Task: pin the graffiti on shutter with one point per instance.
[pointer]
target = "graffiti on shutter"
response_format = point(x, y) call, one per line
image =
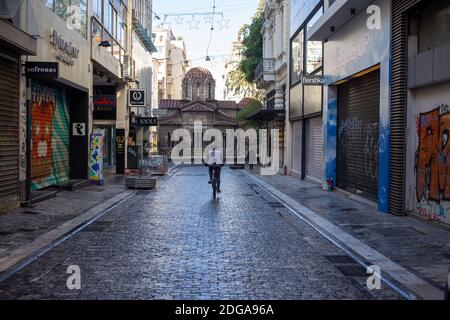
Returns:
point(49, 136)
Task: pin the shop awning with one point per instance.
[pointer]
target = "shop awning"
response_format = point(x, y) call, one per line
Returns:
point(17, 40)
point(264, 114)
point(143, 35)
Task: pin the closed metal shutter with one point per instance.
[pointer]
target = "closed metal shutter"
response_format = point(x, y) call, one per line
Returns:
point(358, 134)
point(297, 147)
point(314, 149)
point(398, 104)
point(50, 136)
point(9, 131)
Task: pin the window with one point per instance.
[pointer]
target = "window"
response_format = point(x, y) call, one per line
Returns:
point(74, 12)
point(97, 6)
point(297, 47)
point(314, 50)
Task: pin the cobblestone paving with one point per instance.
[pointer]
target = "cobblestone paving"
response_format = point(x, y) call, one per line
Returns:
point(178, 243)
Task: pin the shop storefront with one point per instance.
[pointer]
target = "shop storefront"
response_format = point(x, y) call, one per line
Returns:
point(58, 103)
point(9, 129)
point(14, 44)
point(104, 115)
point(305, 111)
point(357, 105)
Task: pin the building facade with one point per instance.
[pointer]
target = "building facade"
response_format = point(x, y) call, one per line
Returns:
point(356, 105)
point(304, 122)
point(173, 61)
point(16, 45)
point(198, 104)
point(79, 65)
point(420, 109)
point(271, 75)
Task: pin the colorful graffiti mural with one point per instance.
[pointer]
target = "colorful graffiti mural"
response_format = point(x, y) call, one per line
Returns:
point(433, 163)
point(49, 136)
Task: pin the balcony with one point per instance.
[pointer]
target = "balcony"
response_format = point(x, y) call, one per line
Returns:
point(265, 73)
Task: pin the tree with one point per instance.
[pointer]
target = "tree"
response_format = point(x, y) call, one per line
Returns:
point(252, 44)
point(241, 78)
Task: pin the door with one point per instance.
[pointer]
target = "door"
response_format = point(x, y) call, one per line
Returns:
point(297, 147)
point(314, 149)
point(358, 133)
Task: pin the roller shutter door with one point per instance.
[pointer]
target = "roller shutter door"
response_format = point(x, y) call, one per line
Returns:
point(297, 147)
point(358, 134)
point(314, 149)
point(50, 136)
point(9, 131)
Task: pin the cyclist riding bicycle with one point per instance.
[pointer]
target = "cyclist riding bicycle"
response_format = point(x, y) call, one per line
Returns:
point(215, 162)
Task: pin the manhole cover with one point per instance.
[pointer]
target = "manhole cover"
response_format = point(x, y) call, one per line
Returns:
point(341, 259)
point(97, 226)
point(352, 270)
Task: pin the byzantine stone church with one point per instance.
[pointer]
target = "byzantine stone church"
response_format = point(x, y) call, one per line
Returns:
point(198, 104)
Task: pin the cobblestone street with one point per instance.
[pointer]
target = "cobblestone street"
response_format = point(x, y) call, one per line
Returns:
point(178, 243)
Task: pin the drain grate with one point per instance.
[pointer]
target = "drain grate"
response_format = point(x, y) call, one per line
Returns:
point(191, 175)
point(31, 212)
point(276, 205)
point(352, 270)
point(348, 209)
point(25, 230)
point(98, 226)
point(5, 233)
point(341, 259)
point(399, 232)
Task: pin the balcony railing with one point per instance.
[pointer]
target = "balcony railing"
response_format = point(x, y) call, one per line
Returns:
point(266, 66)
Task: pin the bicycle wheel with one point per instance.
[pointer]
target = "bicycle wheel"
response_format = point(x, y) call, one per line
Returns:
point(214, 186)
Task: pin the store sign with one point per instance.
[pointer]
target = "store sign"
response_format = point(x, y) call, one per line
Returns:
point(79, 129)
point(144, 121)
point(137, 98)
point(65, 50)
point(105, 107)
point(313, 80)
point(42, 70)
point(120, 151)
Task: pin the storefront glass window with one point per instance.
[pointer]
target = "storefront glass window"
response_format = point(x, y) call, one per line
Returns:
point(297, 57)
point(314, 50)
point(295, 101)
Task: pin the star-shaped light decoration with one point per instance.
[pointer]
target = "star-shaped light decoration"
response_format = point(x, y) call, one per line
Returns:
point(179, 20)
point(223, 24)
point(208, 19)
point(193, 24)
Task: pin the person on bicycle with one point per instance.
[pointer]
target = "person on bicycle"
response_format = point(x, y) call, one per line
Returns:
point(215, 162)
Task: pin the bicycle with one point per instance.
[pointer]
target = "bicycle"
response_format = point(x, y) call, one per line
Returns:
point(215, 180)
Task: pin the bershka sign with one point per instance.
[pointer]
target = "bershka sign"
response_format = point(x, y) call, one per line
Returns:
point(137, 98)
point(66, 51)
point(42, 70)
point(313, 80)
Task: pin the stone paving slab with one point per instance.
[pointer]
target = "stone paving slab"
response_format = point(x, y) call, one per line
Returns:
point(176, 242)
point(420, 247)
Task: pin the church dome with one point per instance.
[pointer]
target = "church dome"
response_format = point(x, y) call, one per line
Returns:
point(198, 73)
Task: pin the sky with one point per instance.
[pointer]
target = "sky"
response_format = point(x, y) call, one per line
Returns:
point(236, 12)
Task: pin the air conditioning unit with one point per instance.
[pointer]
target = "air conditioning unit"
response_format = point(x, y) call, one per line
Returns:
point(128, 68)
